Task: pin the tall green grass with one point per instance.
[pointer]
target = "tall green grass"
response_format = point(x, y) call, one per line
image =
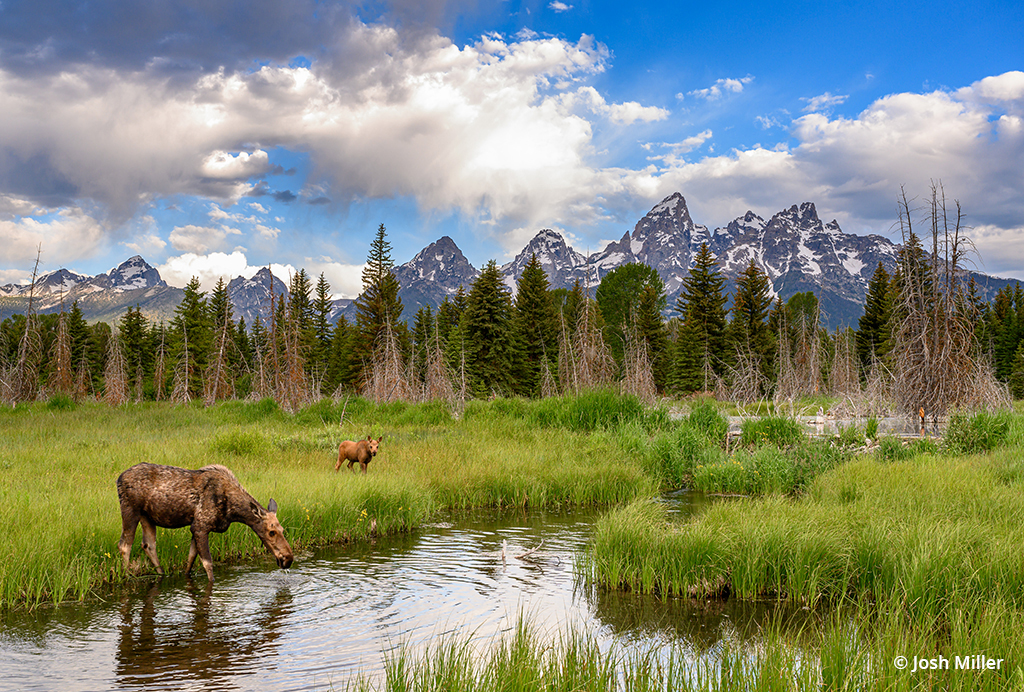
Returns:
point(852, 650)
point(59, 507)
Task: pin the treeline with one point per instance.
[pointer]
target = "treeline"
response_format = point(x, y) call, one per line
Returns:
point(926, 341)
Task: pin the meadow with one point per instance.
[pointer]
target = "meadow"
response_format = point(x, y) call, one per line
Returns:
point(59, 463)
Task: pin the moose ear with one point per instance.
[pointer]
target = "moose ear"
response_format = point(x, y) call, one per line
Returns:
point(369, 437)
point(272, 506)
point(255, 508)
point(380, 438)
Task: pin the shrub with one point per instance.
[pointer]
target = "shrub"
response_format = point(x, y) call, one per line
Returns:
point(771, 430)
point(892, 449)
point(706, 418)
point(977, 434)
point(871, 428)
point(242, 443)
point(61, 402)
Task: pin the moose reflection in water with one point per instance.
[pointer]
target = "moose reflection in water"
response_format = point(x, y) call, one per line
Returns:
point(209, 499)
point(175, 637)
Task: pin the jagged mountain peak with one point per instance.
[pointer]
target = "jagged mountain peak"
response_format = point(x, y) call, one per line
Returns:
point(560, 261)
point(134, 273)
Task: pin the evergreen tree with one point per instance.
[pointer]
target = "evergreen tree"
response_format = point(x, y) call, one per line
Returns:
point(322, 307)
point(423, 332)
point(618, 297)
point(748, 328)
point(379, 303)
point(536, 329)
point(341, 368)
point(872, 324)
point(192, 322)
point(449, 312)
point(701, 351)
point(489, 334)
point(135, 346)
point(651, 328)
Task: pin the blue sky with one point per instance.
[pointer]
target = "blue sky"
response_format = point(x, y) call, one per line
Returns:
point(215, 138)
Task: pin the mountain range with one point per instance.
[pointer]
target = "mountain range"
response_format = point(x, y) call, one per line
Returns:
point(794, 247)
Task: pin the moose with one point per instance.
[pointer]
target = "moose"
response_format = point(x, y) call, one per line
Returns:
point(207, 499)
point(361, 451)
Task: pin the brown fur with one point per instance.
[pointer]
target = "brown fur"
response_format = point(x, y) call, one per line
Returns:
point(209, 499)
point(361, 451)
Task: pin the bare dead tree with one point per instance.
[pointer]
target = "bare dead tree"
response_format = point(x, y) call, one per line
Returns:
point(183, 371)
point(293, 386)
point(437, 379)
point(218, 380)
point(387, 379)
point(160, 369)
point(933, 360)
point(83, 380)
point(115, 373)
point(584, 361)
point(843, 377)
point(638, 376)
point(746, 381)
point(23, 377)
point(62, 377)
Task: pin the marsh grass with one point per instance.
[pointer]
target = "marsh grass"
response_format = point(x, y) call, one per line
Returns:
point(58, 498)
point(851, 649)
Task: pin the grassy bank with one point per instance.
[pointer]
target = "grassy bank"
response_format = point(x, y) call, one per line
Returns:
point(59, 464)
point(923, 548)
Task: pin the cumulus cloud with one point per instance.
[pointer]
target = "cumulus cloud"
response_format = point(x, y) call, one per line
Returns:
point(722, 87)
point(852, 168)
point(625, 113)
point(560, 6)
point(198, 239)
point(62, 238)
point(209, 268)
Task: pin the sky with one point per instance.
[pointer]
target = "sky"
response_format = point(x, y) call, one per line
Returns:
point(214, 138)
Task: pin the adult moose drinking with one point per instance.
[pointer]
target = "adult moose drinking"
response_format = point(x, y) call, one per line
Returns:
point(207, 499)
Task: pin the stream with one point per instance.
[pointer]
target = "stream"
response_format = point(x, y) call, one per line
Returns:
point(339, 611)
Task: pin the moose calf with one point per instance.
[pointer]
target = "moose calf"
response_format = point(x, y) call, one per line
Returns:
point(209, 499)
point(361, 451)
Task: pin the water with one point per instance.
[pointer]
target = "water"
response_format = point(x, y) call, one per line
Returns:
point(338, 612)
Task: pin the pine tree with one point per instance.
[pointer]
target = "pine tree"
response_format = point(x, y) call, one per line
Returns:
point(133, 333)
point(871, 327)
point(536, 329)
point(489, 334)
point(650, 327)
point(423, 333)
point(701, 351)
point(751, 339)
point(322, 307)
point(191, 318)
point(341, 370)
point(378, 306)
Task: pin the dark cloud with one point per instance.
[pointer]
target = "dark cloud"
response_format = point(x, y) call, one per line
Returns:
point(319, 200)
point(189, 36)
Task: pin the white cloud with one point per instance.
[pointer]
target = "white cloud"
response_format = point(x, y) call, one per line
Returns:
point(625, 113)
point(62, 238)
point(560, 6)
point(179, 270)
point(722, 87)
point(149, 244)
point(825, 102)
point(199, 239)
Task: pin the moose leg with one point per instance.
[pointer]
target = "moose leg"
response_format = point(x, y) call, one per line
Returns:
point(129, 522)
point(149, 543)
point(193, 550)
point(341, 458)
point(350, 462)
point(364, 464)
point(202, 541)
